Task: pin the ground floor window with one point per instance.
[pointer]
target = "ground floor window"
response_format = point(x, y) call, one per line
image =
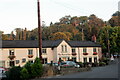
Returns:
point(12, 63)
point(31, 61)
point(74, 59)
point(85, 60)
point(95, 59)
point(44, 60)
point(2, 63)
point(90, 59)
point(17, 61)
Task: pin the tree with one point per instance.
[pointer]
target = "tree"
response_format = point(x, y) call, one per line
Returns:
point(115, 20)
point(59, 35)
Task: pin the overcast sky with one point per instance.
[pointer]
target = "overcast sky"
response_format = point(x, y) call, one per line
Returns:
point(23, 13)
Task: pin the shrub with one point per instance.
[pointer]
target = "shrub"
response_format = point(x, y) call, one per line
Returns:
point(81, 64)
point(95, 64)
point(28, 67)
point(36, 68)
point(14, 73)
point(24, 74)
point(102, 64)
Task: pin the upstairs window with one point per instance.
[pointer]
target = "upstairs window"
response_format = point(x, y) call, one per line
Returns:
point(30, 52)
point(64, 48)
point(44, 51)
point(84, 50)
point(94, 49)
point(11, 52)
point(73, 50)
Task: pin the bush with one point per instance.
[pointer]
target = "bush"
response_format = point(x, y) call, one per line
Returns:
point(36, 68)
point(102, 64)
point(14, 73)
point(24, 74)
point(81, 64)
point(95, 64)
point(28, 67)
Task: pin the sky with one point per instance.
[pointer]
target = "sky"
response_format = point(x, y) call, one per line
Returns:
point(23, 13)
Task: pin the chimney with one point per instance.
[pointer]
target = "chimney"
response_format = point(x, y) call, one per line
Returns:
point(94, 38)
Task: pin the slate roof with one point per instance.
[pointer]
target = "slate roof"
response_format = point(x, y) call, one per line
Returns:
point(45, 44)
point(83, 44)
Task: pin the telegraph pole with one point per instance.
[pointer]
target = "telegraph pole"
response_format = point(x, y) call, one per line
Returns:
point(39, 31)
point(108, 43)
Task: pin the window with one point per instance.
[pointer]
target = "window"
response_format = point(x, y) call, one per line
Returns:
point(30, 52)
point(44, 60)
point(31, 61)
point(23, 60)
point(74, 59)
point(2, 63)
point(12, 63)
point(11, 52)
point(44, 51)
point(65, 48)
point(90, 59)
point(73, 50)
point(95, 59)
point(84, 50)
point(94, 49)
point(17, 61)
point(62, 48)
point(85, 60)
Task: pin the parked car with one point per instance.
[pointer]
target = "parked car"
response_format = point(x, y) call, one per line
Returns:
point(70, 63)
point(2, 73)
point(2, 70)
point(53, 64)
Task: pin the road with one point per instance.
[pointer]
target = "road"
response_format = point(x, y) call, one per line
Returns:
point(109, 71)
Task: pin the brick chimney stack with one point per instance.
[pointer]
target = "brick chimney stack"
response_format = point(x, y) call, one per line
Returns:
point(94, 38)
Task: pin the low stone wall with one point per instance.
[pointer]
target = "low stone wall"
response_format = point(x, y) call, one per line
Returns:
point(73, 70)
point(53, 70)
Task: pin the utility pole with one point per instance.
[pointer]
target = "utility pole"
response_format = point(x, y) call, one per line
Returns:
point(39, 31)
point(108, 43)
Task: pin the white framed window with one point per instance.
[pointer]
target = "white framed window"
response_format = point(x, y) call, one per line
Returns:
point(11, 52)
point(23, 60)
point(17, 61)
point(44, 50)
point(64, 48)
point(73, 50)
point(44, 60)
point(30, 51)
point(31, 61)
point(94, 50)
point(84, 50)
point(85, 59)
